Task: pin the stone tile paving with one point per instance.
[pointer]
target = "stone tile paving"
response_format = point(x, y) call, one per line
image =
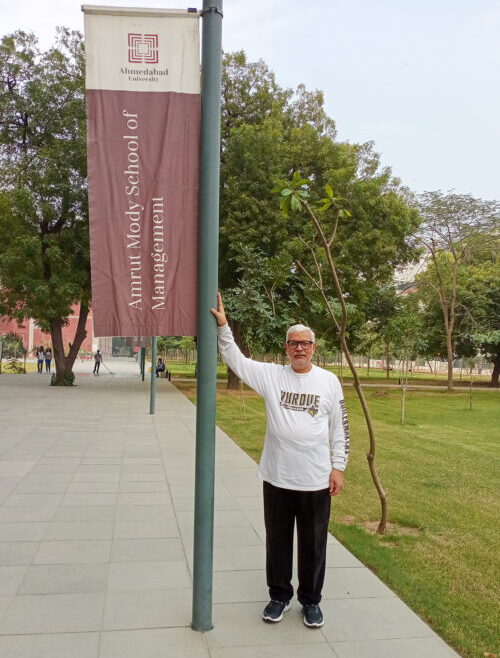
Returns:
point(96, 538)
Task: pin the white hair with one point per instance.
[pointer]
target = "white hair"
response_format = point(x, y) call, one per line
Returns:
point(300, 327)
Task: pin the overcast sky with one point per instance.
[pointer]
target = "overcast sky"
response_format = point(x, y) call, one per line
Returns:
point(419, 78)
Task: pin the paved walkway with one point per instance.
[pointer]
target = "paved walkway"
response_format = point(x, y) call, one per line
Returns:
point(96, 538)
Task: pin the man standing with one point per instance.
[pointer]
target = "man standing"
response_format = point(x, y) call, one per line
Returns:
point(97, 362)
point(40, 356)
point(305, 453)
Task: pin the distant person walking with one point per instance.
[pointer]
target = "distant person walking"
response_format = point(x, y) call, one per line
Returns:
point(40, 357)
point(48, 359)
point(97, 362)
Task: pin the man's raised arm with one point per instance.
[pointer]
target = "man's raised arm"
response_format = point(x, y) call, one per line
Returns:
point(251, 372)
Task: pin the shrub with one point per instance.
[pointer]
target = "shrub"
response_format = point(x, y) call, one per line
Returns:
point(67, 379)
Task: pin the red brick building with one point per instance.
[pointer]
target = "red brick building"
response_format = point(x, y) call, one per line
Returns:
point(33, 336)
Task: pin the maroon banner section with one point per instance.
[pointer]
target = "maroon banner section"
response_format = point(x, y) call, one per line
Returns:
point(143, 160)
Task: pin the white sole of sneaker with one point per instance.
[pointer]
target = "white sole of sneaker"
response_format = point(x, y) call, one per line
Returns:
point(276, 620)
point(313, 625)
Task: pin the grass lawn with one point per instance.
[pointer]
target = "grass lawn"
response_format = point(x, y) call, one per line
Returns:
point(375, 375)
point(187, 370)
point(441, 474)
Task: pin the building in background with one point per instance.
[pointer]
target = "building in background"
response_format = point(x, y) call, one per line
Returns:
point(33, 336)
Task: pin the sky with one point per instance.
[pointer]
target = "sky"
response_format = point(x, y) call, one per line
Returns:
point(418, 78)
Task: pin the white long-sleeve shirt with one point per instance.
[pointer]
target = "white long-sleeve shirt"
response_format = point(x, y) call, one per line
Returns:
point(307, 433)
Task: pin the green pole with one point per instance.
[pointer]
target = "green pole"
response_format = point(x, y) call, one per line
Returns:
point(211, 67)
point(152, 390)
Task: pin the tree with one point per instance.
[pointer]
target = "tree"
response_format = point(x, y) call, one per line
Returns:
point(188, 346)
point(454, 227)
point(483, 307)
point(257, 121)
point(166, 343)
point(382, 309)
point(44, 264)
point(265, 295)
point(269, 132)
point(323, 275)
point(477, 303)
point(488, 343)
point(404, 330)
point(12, 346)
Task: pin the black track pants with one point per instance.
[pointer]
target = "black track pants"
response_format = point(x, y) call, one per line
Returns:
point(311, 509)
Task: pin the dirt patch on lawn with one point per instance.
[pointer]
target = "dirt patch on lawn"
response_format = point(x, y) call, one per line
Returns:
point(380, 394)
point(391, 528)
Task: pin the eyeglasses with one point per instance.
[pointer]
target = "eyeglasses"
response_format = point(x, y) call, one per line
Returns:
point(306, 344)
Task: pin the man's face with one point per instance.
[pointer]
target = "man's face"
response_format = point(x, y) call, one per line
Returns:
point(300, 356)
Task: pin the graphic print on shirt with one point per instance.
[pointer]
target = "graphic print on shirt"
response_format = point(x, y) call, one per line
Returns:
point(300, 402)
point(345, 424)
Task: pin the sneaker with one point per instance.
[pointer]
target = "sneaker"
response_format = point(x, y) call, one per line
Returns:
point(313, 617)
point(274, 610)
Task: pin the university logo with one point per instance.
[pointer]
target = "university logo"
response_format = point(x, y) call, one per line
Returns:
point(143, 48)
point(308, 402)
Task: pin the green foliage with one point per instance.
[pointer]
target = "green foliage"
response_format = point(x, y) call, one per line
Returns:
point(488, 342)
point(457, 223)
point(361, 293)
point(457, 232)
point(404, 330)
point(267, 295)
point(66, 379)
point(187, 344)
point(292, 192)
point(269, 132)
point(477, 306)
point(13, 345)
point(15, 367)
point(166, 343)
point(44, 264)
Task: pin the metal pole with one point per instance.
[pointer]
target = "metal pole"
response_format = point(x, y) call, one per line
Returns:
point(143, 362)
point(207, 329)
point(152, 390)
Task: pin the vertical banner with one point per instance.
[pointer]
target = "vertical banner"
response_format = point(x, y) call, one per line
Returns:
point(143, 116)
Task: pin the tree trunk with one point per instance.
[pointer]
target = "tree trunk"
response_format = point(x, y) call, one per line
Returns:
point(496, 372)
point(57, 344)
point(341, 330)
point(64, 364)
point(233, 382)
point(449, 354)
point(387, 372)
point(404, 383)
point(430, 367)
point(371, 434)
